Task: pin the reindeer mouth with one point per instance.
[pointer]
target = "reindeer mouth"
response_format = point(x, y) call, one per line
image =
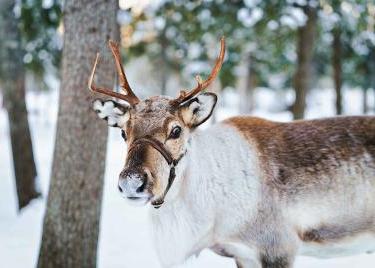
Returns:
point(134, 197)
point(138, 200)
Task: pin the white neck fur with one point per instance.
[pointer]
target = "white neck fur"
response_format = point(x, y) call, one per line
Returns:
point(184, 225)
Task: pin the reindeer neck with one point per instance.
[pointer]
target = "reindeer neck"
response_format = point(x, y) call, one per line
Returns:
point(214, 167)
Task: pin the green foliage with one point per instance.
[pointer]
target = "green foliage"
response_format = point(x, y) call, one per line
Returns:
point(254, 27)
point(360, 52)
point(10, 49)
point(40, 39)
point(264, 30)
point(351, 19)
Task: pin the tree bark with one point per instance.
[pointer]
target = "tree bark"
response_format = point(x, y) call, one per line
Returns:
point(218, 90)
point(337, 68)
point(364, 100)
point(71, 223)
point(367, 81)
point(247, 85)
point(371, 69)
point(164, 65)
point(305, 48)
point(13, 84)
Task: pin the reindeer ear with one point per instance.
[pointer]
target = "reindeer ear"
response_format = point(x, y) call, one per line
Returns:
point(197, 110)
point(114, 113)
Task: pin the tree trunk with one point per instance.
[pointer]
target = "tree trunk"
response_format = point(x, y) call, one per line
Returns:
point(71, 223)
point(365, 101)
point(218, 90)
point(368, 80)
point(337, 70)
point(371, 76)
point(305, 49)
point(13, 83)
point(246, 87)
point(164, 65)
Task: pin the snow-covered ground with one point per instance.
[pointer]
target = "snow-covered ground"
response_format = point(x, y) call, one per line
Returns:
point(124, 235)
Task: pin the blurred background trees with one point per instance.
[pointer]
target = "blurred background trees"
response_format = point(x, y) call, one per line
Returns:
point(12, 83)
point(41, 28)
point(296, 42)
point(306, 35)
point(29, 45)
point(289, 49)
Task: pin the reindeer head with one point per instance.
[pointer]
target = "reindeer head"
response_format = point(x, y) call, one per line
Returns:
point(156, 131)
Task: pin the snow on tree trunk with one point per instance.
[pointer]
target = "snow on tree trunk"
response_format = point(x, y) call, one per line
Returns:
point(71, 223)
point(305, 48)
point(12, 76)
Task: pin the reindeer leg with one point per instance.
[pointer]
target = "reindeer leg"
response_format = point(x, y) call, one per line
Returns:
point(276, 262)
point(239, 265)
point(248, 263)
point(240, 261)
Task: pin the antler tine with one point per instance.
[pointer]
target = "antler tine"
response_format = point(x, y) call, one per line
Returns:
point(101, 90)
point(129, 97)
point(120, 70)
point(201, 85)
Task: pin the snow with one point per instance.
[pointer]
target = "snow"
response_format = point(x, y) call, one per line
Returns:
point(124, 237)
point(249, 17)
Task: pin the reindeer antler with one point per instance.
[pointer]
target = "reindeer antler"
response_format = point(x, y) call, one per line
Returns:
point(201, 85)
point(129, 95)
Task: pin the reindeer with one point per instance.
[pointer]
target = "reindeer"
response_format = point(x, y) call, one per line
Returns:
point(258, 191)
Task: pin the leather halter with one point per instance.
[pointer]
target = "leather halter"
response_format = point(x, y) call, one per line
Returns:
point(172, 163)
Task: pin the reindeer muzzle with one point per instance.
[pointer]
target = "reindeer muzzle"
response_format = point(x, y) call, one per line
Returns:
point(172, 163)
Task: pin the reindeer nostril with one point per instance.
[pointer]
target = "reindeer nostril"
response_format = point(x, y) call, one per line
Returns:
point(144, 183)
point(141, 188)
point(119, 188)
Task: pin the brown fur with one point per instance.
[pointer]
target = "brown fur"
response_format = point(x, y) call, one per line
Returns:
point(314, 163)
point(152, 117)
point(155, 117)
point(290, 151)
point(341, 230)
point(277, 262)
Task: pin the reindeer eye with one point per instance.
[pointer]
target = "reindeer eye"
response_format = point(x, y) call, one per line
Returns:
point(175, 133)
point(123, 135)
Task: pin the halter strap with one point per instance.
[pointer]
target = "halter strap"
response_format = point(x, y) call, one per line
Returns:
point(172, 163)
point(154, 143)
